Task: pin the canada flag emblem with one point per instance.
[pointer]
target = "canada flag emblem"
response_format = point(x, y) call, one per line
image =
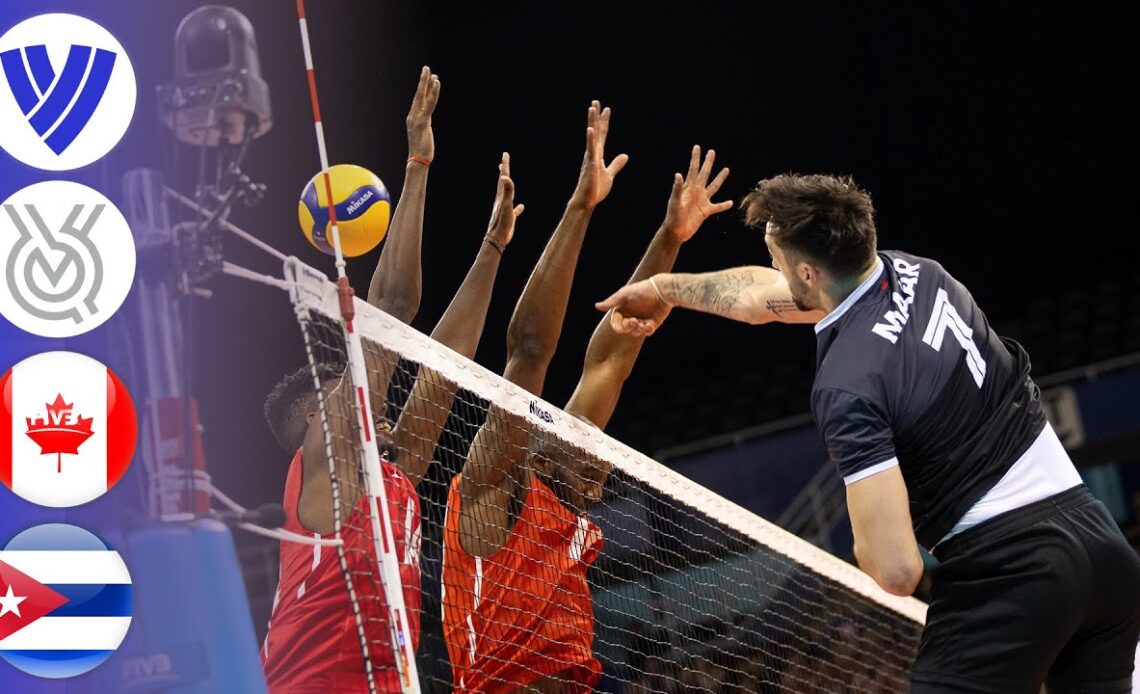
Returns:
point(55, 434)
point(68, 429)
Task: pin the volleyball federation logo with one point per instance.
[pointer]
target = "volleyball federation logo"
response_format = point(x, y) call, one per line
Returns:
point(65, 601)
point(70, 91)
point(68, 429)
point(67, 259)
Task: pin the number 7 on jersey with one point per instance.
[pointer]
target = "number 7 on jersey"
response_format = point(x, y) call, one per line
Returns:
point(945, 317)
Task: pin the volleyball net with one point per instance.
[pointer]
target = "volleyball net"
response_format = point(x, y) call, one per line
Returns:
point(661, 586)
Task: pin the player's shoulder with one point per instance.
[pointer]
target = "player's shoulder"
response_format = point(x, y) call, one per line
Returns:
point(912, 258)
point(851, 357)
point(831, 396)
point(909, 288)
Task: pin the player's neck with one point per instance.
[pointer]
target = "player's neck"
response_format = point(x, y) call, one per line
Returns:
point(839, 291)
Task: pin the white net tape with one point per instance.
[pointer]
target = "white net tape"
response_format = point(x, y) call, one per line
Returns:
point(686, 592)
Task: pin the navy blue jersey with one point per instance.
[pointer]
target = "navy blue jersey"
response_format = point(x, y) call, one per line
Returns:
point(909, 370)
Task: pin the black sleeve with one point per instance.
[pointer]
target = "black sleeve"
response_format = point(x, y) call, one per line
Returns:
point(857, 436)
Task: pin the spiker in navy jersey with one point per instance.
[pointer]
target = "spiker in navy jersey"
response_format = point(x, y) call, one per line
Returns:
point(909, 370)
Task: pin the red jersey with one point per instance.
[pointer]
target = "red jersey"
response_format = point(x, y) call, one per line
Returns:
point(524, 612)
point(312, 646)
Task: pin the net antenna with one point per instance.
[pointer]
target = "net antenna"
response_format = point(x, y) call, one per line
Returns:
point(383, 540)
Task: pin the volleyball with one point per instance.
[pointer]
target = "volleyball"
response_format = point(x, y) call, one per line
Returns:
point(363, 207)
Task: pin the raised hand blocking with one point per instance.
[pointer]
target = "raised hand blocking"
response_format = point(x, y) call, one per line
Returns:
point(690, 202)
point(421, 140)
point(596, 178)
point(501, 228)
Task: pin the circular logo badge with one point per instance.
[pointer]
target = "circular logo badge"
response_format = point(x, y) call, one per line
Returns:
point(68, 429)
point(68, 91)
point(65, 601)
point(67, 259)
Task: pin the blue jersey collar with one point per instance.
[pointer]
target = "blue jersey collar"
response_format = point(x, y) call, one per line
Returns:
point(852, 297)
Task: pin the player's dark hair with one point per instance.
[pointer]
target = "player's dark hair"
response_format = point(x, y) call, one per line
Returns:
point(829, 219)
point(294, 397)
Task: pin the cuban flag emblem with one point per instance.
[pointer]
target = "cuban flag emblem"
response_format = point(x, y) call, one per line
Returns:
point(65, 601)
point(68, 429)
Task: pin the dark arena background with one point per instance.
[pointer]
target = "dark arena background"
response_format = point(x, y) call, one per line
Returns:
point(1000, 140)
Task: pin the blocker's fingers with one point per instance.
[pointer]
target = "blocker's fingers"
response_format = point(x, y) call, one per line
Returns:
point(717, 182)
point(617, 164)
point(694, 164)
point(706, 168)
point(421, 86)
point(591, 149)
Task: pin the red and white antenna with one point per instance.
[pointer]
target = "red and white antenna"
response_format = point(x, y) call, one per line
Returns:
point(403, 647)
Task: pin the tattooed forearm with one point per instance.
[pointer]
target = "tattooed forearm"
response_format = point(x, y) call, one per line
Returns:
point(752, 294)
point(723, 293)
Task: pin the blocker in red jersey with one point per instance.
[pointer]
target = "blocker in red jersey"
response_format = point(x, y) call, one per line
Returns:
point(67, 429)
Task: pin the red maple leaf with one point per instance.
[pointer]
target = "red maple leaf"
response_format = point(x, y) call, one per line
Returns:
point(61, 432)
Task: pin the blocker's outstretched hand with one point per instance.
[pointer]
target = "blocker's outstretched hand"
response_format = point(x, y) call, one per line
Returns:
point(501, 228)
point(596, 177)
point(690, 202)
point(421, 140)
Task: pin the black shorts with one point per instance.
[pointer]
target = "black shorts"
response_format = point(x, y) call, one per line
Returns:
point(1047, 593)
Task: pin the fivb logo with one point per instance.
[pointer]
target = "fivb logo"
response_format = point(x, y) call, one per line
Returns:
point(71, 91)
point(65, 601)
point(58, 107)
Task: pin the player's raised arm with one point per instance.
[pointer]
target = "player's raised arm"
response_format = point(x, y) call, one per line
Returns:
point(396, 284)
point(537, 320)
point(460, 328)
point(611, 355)
point(494, 473)
point(462, 324)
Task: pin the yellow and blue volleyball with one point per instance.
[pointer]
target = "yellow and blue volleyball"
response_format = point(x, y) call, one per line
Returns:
point(363, 208)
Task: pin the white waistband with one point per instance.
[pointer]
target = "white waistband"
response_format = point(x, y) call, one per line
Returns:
point(1041, 472)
